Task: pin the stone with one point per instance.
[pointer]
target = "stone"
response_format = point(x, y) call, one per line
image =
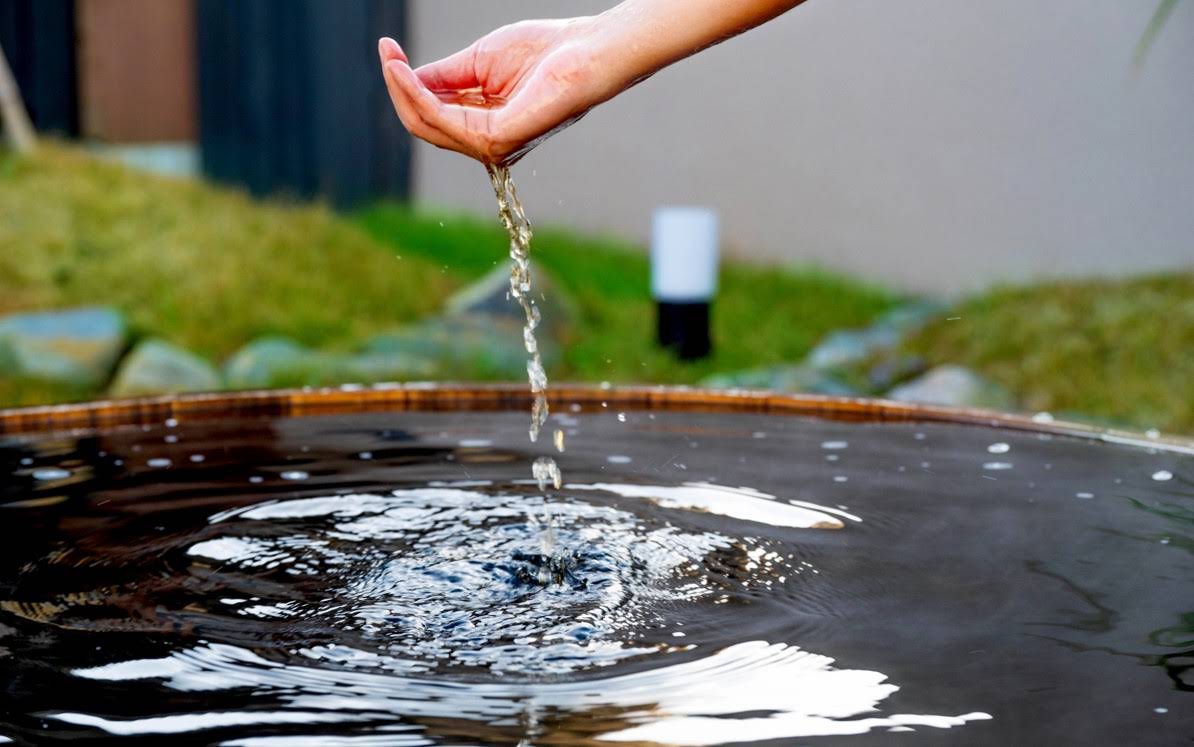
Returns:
point(851, 346)
point(845, 347)
point(74, 346)
point(467, 346)
point(157, 367)
point(783, 378)
point(278, 361)
point(894, 369)
point(490, 297)
point(953, 386)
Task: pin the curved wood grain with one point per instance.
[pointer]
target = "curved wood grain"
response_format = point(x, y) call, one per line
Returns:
point(507, 397)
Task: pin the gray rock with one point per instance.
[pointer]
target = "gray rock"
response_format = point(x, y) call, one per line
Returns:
point(278, 361)
point(783, 378)
point(157, 367)
point(467, 346)
point(850, 346)
point(953, 386)
point(894, 369)
point(845, 347)
point(490, 297)
point(74, 346)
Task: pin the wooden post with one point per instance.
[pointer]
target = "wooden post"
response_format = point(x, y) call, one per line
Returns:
point(13, 116)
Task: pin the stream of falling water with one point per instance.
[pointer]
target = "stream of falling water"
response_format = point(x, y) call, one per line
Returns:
point(514, 219)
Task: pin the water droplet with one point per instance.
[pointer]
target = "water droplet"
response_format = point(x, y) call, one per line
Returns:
point(295, 474)
point(621, 417)
point(255, 479)
point(1042, 417)
point(835, 445)
point(1085, 496)
point(171, 439)
point(159, 463)
point(51, 473)
point(365, 455)
point(1153, 433)
point(999, 448)
point(996, 466)
point(1161, 710)
point(171, 423)
point(476, 443)
point(920, 436)
point(198, 458)
point(558, 440)
point(840, 478)
point(618, 459)
point(1163, 475)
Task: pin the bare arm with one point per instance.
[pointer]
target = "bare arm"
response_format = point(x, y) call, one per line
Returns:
point(510, 90)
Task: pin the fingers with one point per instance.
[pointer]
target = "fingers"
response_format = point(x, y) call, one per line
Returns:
point(389, 49)
point(452, 73)
point(396, 72)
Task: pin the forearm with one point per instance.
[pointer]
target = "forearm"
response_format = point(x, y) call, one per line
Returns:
point(643, 36)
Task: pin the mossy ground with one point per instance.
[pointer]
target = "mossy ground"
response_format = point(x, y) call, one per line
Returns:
point(1121, 351)
point(211, 269)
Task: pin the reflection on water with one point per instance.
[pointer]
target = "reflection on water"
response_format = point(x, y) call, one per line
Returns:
point(286, 589)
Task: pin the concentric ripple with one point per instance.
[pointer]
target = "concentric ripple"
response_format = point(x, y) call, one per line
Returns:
point(340, 581)
point(446, 577)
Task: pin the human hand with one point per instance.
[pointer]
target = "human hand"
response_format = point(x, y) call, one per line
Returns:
point(504, 94)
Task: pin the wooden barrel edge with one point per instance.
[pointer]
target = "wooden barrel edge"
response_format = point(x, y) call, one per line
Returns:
point(103, 415)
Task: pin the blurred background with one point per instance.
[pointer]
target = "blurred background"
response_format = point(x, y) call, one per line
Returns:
point(965, 204)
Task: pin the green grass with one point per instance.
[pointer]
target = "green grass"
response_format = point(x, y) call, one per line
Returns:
point(204, 267)
point(762, 314)
point(1118, 350)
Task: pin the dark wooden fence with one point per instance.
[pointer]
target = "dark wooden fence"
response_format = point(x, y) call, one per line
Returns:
point(38, 37)
point(291, 99)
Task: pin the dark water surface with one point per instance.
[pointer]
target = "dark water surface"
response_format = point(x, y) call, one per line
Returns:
point(392, 579)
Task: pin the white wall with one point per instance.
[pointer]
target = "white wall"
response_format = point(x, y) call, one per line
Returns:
point(927, 144)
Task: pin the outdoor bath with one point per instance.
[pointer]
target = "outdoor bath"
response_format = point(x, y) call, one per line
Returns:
point(362, 566)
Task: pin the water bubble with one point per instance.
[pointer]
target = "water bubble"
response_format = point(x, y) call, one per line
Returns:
point(999, 448)
point(618, 459)
point(1084, 495)
point(25, 462)
point(835, 445)
point(1042, 417)
point(51, 473)
point(920, 436)
point(621, 417)
point(832, 457)
point(295, 475)
point(1161, 710)
point(198, 458)
point(171, 423)
point(997, 466)
point(558, 440)
point(546, 471)
point(365, 456)
point(1153, 433)
point(840, 478)
point(171, 439)
point(475, 443)
point(159, 463)
point(1163, 475)
point(255, 479)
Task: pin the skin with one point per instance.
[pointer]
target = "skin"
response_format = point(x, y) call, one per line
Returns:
point(517, 86)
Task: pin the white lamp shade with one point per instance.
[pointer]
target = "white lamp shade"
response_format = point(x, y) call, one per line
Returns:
point(684, 249)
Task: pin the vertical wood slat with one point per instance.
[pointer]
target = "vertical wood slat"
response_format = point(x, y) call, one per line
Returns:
point(38, 37)
point(292, 100)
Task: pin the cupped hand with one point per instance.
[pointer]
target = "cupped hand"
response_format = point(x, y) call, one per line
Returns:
point(504, 94)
